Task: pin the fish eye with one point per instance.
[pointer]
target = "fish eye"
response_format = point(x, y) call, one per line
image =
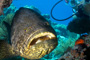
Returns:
point(46, 23)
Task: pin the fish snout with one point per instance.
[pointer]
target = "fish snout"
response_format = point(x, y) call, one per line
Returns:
point(39, 45)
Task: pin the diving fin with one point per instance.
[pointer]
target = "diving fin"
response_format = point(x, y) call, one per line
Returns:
point(9, 31)
point(6, 50)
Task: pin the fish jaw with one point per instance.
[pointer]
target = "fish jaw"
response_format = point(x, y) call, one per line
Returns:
point(39, 50)
point(39, 45)
point(36, 45)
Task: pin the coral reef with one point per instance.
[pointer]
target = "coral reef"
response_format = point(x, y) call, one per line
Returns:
point(8, 16)
point(34, 8)
point(10, 10)
point(62, 30)
point(80, 51)
point(4, 4)
point(3, 30)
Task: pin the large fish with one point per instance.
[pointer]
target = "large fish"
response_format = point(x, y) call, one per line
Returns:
point(31, 36)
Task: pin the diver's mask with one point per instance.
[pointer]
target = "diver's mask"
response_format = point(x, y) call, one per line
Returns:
point(75, 3)
point(79, 7)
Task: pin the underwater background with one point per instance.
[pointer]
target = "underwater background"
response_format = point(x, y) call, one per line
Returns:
point(66, 39)
point(61, 11)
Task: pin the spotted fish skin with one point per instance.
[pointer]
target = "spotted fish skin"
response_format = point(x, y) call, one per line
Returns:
point(31, 34)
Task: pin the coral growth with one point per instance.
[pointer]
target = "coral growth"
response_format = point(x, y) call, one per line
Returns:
point(3, 30)
point(34, 8)
point(8, 16)
point(4, 4)
point(80, 51)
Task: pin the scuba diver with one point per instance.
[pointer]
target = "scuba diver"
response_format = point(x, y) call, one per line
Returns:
point(81, 8)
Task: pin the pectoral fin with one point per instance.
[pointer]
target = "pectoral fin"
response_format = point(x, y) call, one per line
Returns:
point(6, 50)
point(9, 31)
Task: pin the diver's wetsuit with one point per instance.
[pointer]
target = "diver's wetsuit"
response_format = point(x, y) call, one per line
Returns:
point(80, 12)
point(87, 0)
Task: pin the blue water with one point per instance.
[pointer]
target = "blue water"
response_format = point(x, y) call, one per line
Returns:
point(61, 11)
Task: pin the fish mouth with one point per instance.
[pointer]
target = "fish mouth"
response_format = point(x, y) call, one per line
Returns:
point(40, 44)
point(41, 37)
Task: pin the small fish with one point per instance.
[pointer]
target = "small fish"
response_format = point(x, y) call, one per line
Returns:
point(31, 36)
point(79, 41)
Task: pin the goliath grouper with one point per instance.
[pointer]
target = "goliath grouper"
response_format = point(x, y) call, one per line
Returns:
point(31, 36)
